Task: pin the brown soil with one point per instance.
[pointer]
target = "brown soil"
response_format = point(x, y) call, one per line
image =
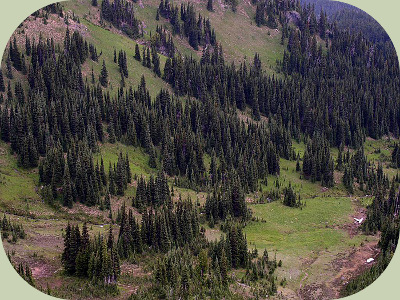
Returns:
point(347, 266)
point(43, 270)
point(55, 28)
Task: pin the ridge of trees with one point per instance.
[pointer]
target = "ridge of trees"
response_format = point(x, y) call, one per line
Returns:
point(121, 14)
point(184, 21)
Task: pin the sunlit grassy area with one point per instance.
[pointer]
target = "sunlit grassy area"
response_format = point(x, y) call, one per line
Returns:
point(294, 230)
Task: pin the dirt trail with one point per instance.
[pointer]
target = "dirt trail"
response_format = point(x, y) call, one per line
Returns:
point(346, 266)
point(352, 265)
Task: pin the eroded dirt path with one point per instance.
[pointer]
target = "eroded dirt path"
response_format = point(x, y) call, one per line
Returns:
point(346, 266)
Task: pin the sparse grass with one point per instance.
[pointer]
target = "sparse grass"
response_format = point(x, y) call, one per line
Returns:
point(213, 234)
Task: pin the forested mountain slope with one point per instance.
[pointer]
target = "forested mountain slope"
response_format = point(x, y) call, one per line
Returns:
point(171, 149)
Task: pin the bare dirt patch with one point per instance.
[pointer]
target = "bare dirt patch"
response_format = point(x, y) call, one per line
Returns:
point(133, 270)
point(352, 265)
point(34, 27)
point(346, 266)
point(43, 270)
point(79, 208)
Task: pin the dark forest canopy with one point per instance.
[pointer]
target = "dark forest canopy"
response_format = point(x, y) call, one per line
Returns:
point(348, 17)
point(342, 93)
point(333, 88)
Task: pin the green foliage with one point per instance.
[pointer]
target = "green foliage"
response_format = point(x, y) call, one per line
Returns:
point(94, 259)
point(290, 198)
point(317, 161)
point(103, 78)
point(121, 14)
point(197, 31)
point(12, 230)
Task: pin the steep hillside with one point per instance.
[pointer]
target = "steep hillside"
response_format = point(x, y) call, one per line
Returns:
point(237, 32)
point(157, 149)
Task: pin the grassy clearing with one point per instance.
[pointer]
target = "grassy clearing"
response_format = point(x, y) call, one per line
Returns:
point(138, 159)
point(18, 187)
point(304, 187)
point(295, 231)
point(213, 234)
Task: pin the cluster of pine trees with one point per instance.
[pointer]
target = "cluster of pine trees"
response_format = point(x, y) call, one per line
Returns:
point(186, 23)
point(347, 108)
point(396, 155)
point(357, 169)
point(290, 198)
point(226, 200)
point(153, 193)
point(318, 164)
point(121, 14)
point(262, 270)
point(96, 259)
point(297, 101)
point(122, 63)
point(201, 268)
point(180, 274)
point(160, 230)
point(76, 177)
point(11, 228)
point(151, 60)
point(270, 12)
point(234, 247)
point(47, 118)
point(163, 42)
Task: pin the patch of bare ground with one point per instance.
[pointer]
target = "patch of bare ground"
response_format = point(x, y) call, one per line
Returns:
point(43, 269)
point(241, 289)
point(245, 116)
point(315, 291)
point(35, 27)
point(80, 209)
point(132, 271)
point(306, 264)
point(337, 177)
point(116, 204)
point(352, 265)
point(346, 266)
point(93, 15)
point(141, 3)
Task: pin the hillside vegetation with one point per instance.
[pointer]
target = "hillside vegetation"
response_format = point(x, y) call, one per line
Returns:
point(211, 149)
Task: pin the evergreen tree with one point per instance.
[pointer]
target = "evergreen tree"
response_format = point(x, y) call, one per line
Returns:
point(67, 188)
point(137, 52)
point(210, 5)
point(103, 79)
point(2, 86)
